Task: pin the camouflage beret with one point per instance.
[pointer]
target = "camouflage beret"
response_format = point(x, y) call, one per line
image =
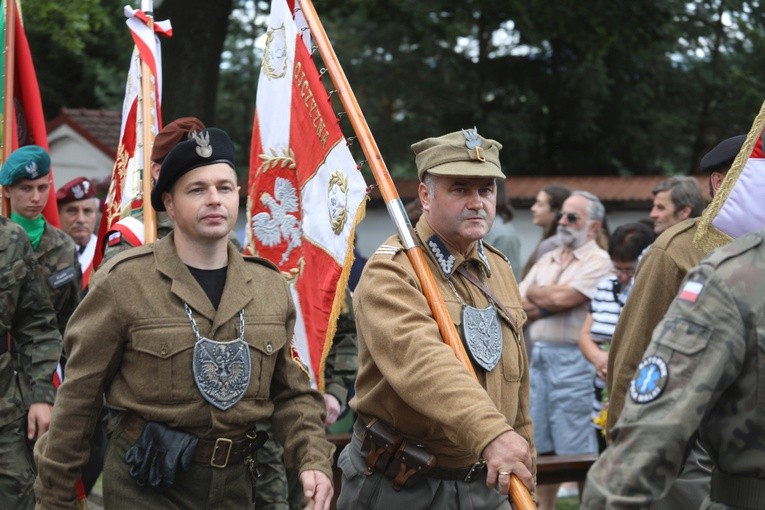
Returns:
point(76, 189)
point(207, 147)
point(169, 136)
point(462, 153)
point(722, 156)
point(28, 162)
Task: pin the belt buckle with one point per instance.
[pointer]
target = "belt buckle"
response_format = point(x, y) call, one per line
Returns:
point(221, 442)
point(474, 470)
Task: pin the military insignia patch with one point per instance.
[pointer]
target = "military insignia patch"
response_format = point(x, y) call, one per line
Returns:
point(650, 381)
point(444, 258)
point(203, 144)
point(297, 359)
point(114, 239)
point(691, 291)
point(31, 170)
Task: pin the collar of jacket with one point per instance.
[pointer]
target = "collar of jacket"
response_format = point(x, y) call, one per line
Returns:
point(447, 259)
point(236, 294)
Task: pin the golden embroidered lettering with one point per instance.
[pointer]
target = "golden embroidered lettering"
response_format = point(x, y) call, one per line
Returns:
point(308, 100)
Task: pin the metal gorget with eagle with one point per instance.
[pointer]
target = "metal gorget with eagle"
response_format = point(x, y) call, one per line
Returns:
point(221, 368)
point(482, 332)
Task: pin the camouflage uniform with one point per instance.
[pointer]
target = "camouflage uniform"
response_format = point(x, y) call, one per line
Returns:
point(703, 370)
point(26, 374)
point(57, 256)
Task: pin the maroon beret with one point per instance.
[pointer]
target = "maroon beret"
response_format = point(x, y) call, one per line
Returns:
point(169, 136)
point(76, 189)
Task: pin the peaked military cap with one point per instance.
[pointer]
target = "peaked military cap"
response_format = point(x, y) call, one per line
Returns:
point(207, 147)
point(723, 154)
point(79, 188)
point(27, 162)
point(463, 153)
point(169, 136)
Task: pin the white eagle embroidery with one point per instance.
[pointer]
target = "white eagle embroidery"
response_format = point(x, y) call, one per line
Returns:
point(271, 228)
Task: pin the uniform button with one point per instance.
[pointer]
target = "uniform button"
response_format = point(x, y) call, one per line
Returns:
point(269, 348)
point(163, 350)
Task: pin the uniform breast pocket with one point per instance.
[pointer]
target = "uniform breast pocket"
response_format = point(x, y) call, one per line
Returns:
point(160, 362)
point(266, 337)
point(512, 357)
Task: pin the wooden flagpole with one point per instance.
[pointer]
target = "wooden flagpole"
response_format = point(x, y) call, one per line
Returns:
point(519, 493)
point(8, 110)
point(146, 97)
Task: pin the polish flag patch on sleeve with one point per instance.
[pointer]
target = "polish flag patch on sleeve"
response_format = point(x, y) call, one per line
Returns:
point(691, 291)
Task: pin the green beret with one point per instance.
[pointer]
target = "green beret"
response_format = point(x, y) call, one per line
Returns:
point(462, 153)
point(207, 147)
point(27, 162)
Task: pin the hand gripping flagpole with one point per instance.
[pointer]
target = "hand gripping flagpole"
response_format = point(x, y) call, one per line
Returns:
point(8, 111)
point(518, 492)
point(147, 101)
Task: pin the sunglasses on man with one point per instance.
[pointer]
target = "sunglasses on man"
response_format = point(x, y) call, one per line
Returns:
point(571, 217)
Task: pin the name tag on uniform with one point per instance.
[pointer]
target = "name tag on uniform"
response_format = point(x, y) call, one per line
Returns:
point(62, 277)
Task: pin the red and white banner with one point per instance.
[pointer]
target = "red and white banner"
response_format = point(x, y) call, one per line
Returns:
point(28, 119)
point(743, 210)
point(306, 194)
point(125, 199)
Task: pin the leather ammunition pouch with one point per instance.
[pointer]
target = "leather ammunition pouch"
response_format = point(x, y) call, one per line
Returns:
point(386, 451)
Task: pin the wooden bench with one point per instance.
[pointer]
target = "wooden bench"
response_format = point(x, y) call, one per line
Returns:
point(550, 468)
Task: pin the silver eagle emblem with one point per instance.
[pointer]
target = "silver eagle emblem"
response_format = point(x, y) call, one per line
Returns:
point(280, 223)
point(203, 144)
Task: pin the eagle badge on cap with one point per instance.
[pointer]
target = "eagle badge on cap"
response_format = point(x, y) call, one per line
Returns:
point(473, 142)
point(31, 170)
point(203, 144)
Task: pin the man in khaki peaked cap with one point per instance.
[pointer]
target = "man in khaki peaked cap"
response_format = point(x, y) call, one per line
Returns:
point(409, 450)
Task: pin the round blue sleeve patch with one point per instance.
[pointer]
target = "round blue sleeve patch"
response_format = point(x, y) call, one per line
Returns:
point(650, 380)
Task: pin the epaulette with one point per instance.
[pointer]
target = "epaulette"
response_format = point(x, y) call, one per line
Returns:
point(497, 252)
point(263, 262)
point(734, 249)
point(133, 253)
point(387, 250)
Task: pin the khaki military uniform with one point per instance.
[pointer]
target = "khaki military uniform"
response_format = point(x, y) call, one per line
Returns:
point(132, 340)
point(411, 380)
point(26, 372)
point(703, 370)
point(57, 256)
point(658, 278)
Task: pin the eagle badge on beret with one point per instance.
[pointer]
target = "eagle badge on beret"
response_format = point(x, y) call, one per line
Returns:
point(31, 170)
point(203, 144)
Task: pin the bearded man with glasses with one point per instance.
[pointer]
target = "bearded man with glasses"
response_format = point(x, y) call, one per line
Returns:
point(556, 294)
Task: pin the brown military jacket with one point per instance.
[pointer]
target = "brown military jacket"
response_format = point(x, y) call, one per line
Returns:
point(411, 380)
point(657, 280)
point(131, 339)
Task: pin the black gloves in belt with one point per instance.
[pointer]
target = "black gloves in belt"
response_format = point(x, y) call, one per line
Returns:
point(156, 455)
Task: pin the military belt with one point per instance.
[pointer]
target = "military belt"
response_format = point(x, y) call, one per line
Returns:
point(218, 453)
point(737, 491)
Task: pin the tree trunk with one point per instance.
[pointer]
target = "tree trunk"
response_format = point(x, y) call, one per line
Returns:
point(191, 58)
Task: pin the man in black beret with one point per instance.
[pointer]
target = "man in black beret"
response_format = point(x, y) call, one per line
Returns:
point(189, 342)
point(657, 281)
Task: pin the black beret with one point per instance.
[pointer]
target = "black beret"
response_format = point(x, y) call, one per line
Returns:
point(722, 156)
point(207, 147)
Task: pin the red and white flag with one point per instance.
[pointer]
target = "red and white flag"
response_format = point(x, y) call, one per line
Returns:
point(125, 199)
point(28, 119)
point(306, 194)
point(743, 210)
